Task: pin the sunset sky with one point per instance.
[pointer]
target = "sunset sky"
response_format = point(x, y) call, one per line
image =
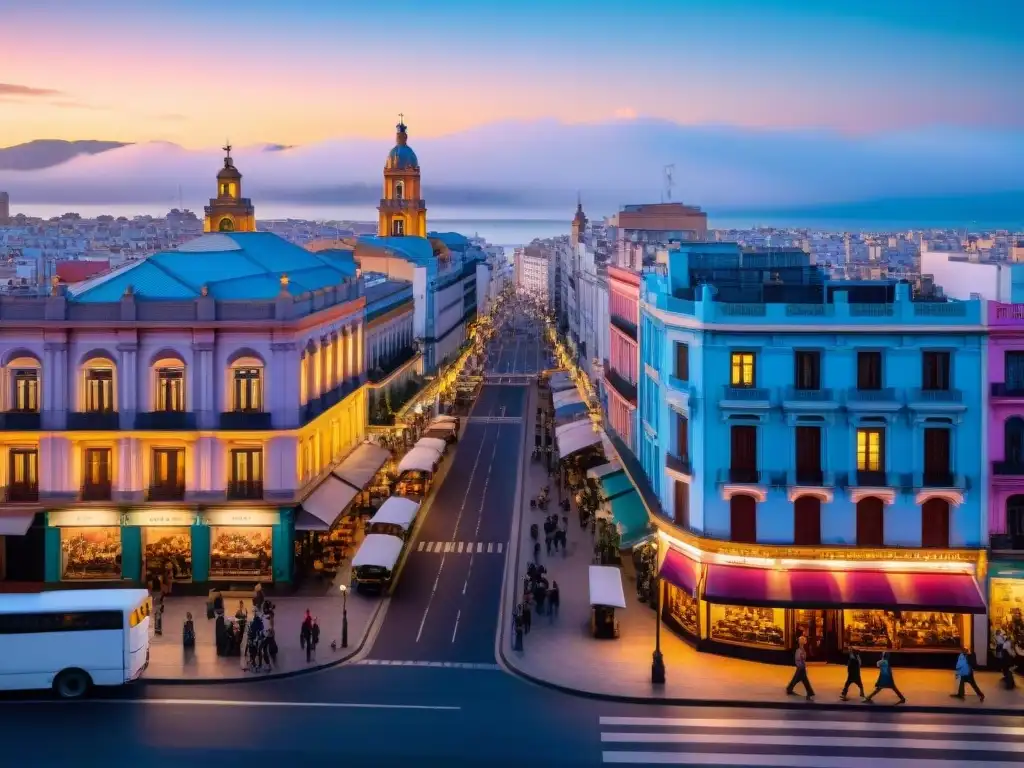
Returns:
point(265, 71)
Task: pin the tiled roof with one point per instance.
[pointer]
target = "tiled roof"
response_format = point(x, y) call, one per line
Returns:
point(77, 271)
point(418, 250)
point(239, 266)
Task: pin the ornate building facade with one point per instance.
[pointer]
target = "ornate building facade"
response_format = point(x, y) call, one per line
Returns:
point(403, 211)
point(229, 211)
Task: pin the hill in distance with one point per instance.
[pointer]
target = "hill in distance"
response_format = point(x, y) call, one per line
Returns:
point(46, 153)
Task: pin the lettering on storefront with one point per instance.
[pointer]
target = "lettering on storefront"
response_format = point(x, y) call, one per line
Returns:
point(151, 518)
point(253, 517)
point(83, 518)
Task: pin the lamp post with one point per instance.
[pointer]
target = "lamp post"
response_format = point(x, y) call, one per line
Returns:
point(658, 661)
point(344, 617)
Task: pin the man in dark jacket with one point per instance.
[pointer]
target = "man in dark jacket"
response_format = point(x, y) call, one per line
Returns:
point(852, 674)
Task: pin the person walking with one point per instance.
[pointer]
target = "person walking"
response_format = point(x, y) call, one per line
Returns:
point(306, 635)
point(800, 672)
point(853, 665)
point(553, 600)
point(965, 676)
point(885, 680)
point(258, 598)
point(1004, 655)
point(314, 635)
point(527, 618)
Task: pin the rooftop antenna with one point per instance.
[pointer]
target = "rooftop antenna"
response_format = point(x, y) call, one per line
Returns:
point(668, 171)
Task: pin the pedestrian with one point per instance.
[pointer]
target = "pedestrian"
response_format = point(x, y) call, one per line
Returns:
point(965, 676)
point(560, 537)
point(885, 680)
point(315, 635)
point(553, 600)
point(853, 665)
point(1005, 659)
point(527, 617)
point(188, 633)
point(258, 598)
point(306, 635)
point(539, 593)
point(800, 671)
point(517, 628)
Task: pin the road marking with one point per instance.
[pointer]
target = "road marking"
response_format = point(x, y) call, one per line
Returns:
point(456, 630)
point(499, 547)
point(812, 725)
point(447, 547)
point(432, 664)
point(471, 548)
point(490, 548)
point(851, 742)
point(460, 547)
point(782, 761)
point(251, 703)
point(479, 547)
point(420, 547)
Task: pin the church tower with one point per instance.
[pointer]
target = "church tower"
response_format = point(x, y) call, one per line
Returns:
point(579, 223)
point(229, 211)
point(403, 211)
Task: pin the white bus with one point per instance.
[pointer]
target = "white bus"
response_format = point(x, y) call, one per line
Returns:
point(74, 639)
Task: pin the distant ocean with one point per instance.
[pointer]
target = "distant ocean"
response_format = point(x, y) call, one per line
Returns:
point(513, 227)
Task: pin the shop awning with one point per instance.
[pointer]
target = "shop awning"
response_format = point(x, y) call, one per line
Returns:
point(630, 518)
point(764, 587)
point(454, 420)
point(596, 473)
point(378, 549)
point(575, 437)
point(560, 381)
point(440, 433)
point(606, 586)
point(570, 411)
point(433, 443)
point(360, 466)
point(419, 459)
point(614, 485)
point(565, 397)
point(15, 523)
point(327, 501)
point(397, 510)
point(680, 570)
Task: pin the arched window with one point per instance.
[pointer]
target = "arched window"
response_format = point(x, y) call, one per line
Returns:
point(399, 190)
point(807, 521)
point(98, 384)
point(935, 524)
point(743, 519)
point(870, 522)
point(1013, 441)
point(246, 384)
point(168, 376)
point(1015, 520)
point(24, 390)
point(226, 225)
point(398, 227)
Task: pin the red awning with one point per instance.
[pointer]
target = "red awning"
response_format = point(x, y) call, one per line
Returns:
point(680, 570)
point(947, 592)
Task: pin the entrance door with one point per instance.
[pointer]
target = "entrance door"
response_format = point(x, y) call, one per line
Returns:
point(811, 624)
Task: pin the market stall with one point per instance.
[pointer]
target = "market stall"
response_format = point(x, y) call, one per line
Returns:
point(374, 563)
point(324, 505)
point(575, 437)
point(446, 431)
point(433, 443)
point(606, 595)
point(395, 517)
point(420, 459)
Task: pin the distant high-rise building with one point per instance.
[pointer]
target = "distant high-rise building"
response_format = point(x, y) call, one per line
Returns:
point(229, 211)
point(5, 208)
point(579, 224)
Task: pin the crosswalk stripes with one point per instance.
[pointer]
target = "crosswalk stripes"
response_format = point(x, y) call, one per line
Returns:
point(808, 743)
point(442, 664)
point(496, 419)
point(461, 547)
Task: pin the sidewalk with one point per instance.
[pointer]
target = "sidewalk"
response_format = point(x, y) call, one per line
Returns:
point(561, 651)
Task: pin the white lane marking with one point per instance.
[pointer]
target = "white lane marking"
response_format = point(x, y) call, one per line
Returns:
point(433, 664)
point(852, 742)
point(499, 547)
point(460, 547)
point(479, 547)
point(447, 547)
point(781, 761)
point(490, 548)
point(420, 547)
point(251, 703)
point(456, 630)
point(812, 725)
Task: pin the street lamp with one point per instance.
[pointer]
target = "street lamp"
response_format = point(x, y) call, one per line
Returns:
point(344, 616)
point(658, 661)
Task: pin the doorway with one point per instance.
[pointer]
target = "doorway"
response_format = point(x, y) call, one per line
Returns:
point(812, 625)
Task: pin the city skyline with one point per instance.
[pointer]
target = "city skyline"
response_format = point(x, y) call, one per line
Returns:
point(257, 74)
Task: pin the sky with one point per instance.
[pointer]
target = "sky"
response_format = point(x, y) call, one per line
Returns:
point(259, 71)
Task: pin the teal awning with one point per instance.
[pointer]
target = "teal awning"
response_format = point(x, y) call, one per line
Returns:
point(614, 485)
point(630, 515)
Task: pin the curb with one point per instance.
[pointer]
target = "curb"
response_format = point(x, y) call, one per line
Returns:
point(260, 677)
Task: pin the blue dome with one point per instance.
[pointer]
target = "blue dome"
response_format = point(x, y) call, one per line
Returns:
point(400, 158)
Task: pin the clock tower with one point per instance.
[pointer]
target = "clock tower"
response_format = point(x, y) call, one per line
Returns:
point(403, 211)
point(229, 211)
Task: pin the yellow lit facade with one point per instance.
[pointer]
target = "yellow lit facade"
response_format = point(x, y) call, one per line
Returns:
point(229, 211)
point(403, 211)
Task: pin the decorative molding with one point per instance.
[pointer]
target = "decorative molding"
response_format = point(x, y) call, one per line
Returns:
point(759, 493)
point(954, 498)
point(826, 495)
point(887, 495)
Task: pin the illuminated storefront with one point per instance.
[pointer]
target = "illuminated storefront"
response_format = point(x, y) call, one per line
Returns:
point(1006, 600)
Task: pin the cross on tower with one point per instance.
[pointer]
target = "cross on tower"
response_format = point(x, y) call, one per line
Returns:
point(227, 148)
point(401, 118)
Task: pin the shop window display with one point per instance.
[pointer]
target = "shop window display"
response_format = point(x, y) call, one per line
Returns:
point(90, 553)
point(168, 549)
point(683, 608)
point(903, 630)
point(238, 552)
point(1006, 609)
point(748, 626)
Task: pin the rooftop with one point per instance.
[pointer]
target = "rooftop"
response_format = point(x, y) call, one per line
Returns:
point(417, 250)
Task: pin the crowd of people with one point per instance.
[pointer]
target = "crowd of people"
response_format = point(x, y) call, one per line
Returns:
point(253, 641)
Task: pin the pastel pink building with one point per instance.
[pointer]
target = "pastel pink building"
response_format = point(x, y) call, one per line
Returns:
point(623, 352)
point(1006, 425)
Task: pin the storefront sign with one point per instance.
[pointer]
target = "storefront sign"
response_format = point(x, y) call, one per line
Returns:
point(241, 517)
point(70, 518)
point(156, 517)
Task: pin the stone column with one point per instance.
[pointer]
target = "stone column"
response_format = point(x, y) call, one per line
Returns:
point(360, 334)
point(128, 383)
point(339, 358)
point(201, 398)
point(346, 342)
point(281, 396)
point(325, 363)
point(55, 375)
point(331, 365)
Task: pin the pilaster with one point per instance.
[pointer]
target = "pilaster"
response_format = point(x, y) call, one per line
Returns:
point(128, 383)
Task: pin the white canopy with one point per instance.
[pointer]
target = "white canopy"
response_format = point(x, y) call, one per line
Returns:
point(421, 458)
point(566, 397)
point(397, 510)
point(15, 523)
point(596, 473)
point(362, 464)
point(380, 550)
point(443, 426)
point(575, 436)
point(327, 501)
point(433, 443)
point(444, 420)
point(605, 586)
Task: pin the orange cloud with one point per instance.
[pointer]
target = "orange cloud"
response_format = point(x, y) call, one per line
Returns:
point(12, 89)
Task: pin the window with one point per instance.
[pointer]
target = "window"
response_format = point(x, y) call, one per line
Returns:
point(170, 389)
point(96, 468)
point(1015, 521)
point(869, 370)
point(398, 227)
point(870, 450)
point(808, 370)
point(1013, 370)
point(399, 190)
point(226, 225)
point(246, 473)
point(743, 458)
point(1013, 441)
point(248, 389)
point(681, 513)
point(742, 369)
point(24, 467)
point(682, 437)
point(25, 394)
point(743, 519)
point(935, 524)
point(682, 361)
point(937, 456)
point(99, 390)
point(32, 623)
point(870, 522)
point(807, 521)
point(168, 468)
point(935, 371)
point(808, 455)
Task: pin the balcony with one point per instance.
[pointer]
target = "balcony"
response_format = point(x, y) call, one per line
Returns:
point(946, 480)
point(18, 421)
point(21, 493)
point(811, 478)
point(166, 492)
point(97, 491)
point(679, 465)
point(1012, 468)
point(745, 398)
point(936, 400)
point(624, 325)
point(813, 400)
point(1007, 544)
point(884, 399)
point(625, 389)
point(385, 368)
point(175, 420)
point(245, 420)
point(94, 420)
point(678, 394)
point(318, 405)
point(1001, 390)
point(869, 478)
point(245, 490)
point(739, 476)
